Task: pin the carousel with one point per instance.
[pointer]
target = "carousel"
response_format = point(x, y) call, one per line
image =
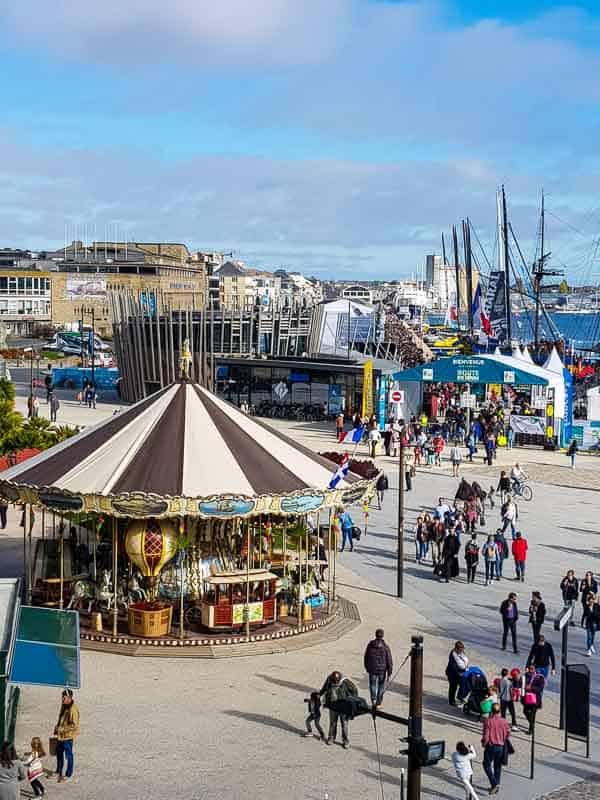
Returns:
point(182, 521)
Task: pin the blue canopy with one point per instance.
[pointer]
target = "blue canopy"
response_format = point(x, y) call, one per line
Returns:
point(470, 369)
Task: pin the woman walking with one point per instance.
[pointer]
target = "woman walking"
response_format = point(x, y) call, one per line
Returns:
point(569, 587)
point(537, 614)
point(588, 586)
point(456, 459)
point(591, 621)
point(572, 452)
point(490, 556)
point(533, 689)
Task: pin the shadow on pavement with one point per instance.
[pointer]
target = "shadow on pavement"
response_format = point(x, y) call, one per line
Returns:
point(263, 719)
point(298, 687)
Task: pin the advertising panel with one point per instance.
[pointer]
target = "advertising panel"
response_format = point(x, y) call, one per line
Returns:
point(88, 288)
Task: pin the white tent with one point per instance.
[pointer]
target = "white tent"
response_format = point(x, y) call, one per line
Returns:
point(527, 355)
point(554, 378)
point(554, 362)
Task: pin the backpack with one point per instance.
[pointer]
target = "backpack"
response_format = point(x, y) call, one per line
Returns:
point(489, 551)
point(472, 550)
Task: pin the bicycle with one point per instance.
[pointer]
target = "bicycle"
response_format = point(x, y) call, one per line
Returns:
point(522, 490)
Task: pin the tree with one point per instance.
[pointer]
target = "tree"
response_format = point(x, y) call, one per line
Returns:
point(7, 390)
point(564, 287)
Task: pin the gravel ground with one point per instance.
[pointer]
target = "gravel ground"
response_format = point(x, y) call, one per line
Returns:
point(584, 790)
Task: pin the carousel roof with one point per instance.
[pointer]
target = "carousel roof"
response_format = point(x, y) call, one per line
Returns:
point(182, 442)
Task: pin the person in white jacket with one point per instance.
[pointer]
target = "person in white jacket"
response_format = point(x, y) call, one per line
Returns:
point(462, 760)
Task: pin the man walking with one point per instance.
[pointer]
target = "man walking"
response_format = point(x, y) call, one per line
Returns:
point(54, 406)
point(519, 551)
point(379, 664)
point(509, 612)
point(346, 525)
point(496, 731)
point(541, 656)
point(334, 689)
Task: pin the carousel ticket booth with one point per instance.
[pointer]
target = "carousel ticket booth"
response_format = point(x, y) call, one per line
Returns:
point(198, 520)
point(231, 597)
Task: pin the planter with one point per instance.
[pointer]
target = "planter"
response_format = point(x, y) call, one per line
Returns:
point(149, 620)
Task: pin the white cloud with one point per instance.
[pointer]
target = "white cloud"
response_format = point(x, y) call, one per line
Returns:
point(316, 215)
point(200, 31)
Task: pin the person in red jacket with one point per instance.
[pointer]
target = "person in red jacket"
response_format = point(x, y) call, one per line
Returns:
point(519, 551)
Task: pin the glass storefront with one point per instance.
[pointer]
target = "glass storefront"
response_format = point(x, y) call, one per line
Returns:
point(302, 385)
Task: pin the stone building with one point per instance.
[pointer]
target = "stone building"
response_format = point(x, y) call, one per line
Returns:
point(67, 284)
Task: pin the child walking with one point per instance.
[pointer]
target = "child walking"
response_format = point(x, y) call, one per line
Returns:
point(461, 759)
point(35, 768)
point(314, 715)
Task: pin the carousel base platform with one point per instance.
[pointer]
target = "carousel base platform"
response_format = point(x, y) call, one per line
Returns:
point(280, 637)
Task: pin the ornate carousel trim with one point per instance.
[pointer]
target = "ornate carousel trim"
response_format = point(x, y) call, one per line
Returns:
point(140, 505)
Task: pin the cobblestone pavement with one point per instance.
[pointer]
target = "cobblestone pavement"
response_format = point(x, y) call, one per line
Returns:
point(584, 790)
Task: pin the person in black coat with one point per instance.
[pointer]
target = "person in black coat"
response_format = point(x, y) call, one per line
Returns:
point(537, 614)
point(450, 550)
point(569, 586)
point(541, 656)
point(379, 664)
point(588, 586)
point(382, 486)
point(509, 611)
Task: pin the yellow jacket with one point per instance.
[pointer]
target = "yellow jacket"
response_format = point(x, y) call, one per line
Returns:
point(68, 724)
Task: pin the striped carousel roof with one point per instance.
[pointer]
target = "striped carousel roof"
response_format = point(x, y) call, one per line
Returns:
point(180, 442)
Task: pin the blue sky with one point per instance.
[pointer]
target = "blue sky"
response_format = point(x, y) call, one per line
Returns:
point(338, 137)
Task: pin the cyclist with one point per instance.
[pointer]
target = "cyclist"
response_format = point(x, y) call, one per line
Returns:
point(518, 478)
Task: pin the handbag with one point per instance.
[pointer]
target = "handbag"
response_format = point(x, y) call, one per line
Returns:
point(52, 742)
point(530, 699)
point(482, 520)
point(356, 532)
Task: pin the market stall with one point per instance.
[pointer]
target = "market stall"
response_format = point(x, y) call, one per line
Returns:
point(176, 497)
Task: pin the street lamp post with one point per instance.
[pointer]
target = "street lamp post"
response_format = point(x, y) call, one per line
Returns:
point(30, 403)
point(400, 559)
point(93, 345)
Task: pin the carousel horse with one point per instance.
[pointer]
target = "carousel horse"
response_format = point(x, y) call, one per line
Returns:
point(135, 591)
point(100, 593)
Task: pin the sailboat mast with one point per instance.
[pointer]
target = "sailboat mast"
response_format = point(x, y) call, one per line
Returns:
point(538, 280)
point(469, 273)
point(506, 269)
point(456, 272)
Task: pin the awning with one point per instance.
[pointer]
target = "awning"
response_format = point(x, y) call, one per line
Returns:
point(470, 369)
point(241, 575)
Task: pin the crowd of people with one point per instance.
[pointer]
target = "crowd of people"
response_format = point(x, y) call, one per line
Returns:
point(452, 527)
point(493, 701)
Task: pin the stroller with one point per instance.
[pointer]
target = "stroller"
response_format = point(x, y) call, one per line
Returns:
point(472, 690)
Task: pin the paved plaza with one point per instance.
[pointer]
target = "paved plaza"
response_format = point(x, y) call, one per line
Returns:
point(231, 727)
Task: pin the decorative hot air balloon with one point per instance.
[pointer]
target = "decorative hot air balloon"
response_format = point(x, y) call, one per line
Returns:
point(150, 544)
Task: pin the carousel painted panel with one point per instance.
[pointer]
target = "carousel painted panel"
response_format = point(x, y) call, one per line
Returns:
point(226, 507)
point(304, 503)
point(139, 505)
point(60, 501)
